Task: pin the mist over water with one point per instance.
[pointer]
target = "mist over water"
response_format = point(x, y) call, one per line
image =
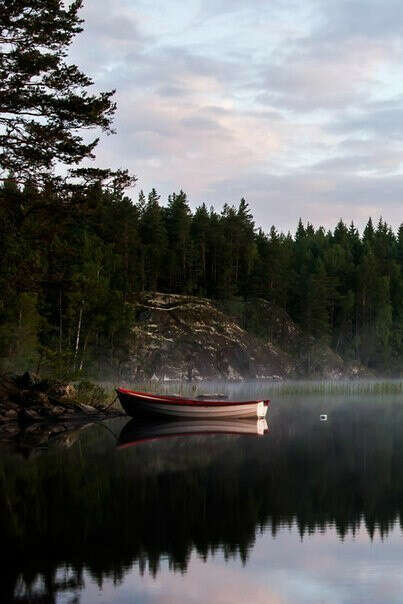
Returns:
point(309, 512)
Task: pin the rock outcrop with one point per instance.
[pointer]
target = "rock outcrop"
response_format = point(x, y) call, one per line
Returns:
point(178, 337)
point(183, 337)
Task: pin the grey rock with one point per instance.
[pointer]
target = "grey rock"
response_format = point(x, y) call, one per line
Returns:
point(27, 416)
point(57, 410)
point(87, 408)
point(11, 414)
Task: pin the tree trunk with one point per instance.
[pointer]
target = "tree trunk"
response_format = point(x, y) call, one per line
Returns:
point(80, 316)
point(84, 349)
point(60, 321)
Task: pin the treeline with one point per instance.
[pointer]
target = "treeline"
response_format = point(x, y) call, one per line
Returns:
point(71, 262)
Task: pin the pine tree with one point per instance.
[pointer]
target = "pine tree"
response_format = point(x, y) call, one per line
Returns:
point(45, 101)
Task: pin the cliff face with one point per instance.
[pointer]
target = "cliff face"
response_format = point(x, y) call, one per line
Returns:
point(180, 337)
point(183, 337)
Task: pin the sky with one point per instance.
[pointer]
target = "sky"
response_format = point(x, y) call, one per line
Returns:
point(295, 105)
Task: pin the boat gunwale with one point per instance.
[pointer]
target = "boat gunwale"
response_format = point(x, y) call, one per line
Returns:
point(185, 402)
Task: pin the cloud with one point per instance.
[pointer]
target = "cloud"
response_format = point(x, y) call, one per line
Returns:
point(296, 105)
point(380, 120)
point(315, 77)
point(366, 18)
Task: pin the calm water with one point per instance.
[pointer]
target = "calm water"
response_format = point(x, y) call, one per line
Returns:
point(309, 512)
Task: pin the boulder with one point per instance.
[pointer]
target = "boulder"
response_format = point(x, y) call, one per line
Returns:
point(57, 410)
point(28, 416)
point(61, 390)
point(10, 429)
point(11, 414)
point(35, 398)
point(87, 408)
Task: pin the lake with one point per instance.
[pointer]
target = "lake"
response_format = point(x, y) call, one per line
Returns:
point(308, 511)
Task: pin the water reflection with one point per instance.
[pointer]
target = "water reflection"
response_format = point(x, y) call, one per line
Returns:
point(90, 514)
point(136, 432)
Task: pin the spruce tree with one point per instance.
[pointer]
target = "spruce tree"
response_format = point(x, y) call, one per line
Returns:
point(199, 234)
point(178, 221)
point(154, 239)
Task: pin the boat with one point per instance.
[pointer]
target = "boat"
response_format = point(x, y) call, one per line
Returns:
point(215, 396)
point(135, 403)
point(135, 432)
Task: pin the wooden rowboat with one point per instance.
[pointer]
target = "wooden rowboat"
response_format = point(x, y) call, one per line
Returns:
point(135, 403)
point(135, 433)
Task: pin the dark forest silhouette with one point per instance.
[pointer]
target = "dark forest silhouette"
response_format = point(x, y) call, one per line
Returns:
point(70, 266)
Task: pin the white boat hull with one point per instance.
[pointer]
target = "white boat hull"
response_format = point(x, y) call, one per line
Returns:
point(140, 403)
point(206, 412)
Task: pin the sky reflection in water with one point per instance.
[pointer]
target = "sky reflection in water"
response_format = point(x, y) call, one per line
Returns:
point(309, 512)
point(320, 568)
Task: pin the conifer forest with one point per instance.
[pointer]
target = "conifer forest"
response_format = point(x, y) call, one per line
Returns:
point(74, 247)
point(70, 264)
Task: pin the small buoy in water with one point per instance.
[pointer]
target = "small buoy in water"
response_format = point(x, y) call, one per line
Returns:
point(323, 417)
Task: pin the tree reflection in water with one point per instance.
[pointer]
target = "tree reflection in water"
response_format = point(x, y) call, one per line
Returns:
point(95, 508)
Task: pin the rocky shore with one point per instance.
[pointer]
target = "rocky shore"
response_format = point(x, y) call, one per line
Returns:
point(28, 399)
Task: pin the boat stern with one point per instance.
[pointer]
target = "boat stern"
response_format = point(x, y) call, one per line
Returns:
point(262, 407)
point(261, 426)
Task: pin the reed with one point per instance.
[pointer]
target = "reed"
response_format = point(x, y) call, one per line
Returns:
point(254, 389)
point(347, 388)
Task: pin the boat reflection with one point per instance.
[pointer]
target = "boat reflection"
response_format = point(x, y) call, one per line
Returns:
point(135, 432)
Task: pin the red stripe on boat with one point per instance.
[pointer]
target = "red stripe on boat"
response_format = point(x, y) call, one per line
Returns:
point(187, 402)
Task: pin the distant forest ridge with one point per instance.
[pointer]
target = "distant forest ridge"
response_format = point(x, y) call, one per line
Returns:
point(70, 263)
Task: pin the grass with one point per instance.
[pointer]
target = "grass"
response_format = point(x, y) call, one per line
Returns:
point(282, 388)
point(349, 388)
